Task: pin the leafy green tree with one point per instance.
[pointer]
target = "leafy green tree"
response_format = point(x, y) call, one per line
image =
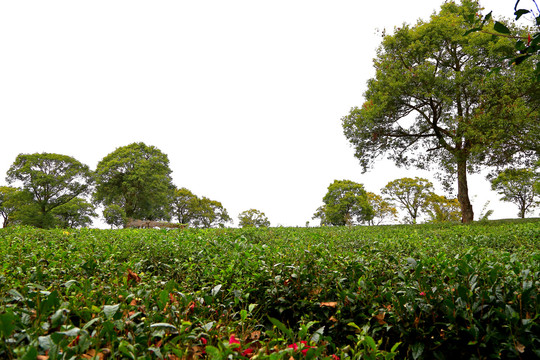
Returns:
point(137, 178)
point(184, 206)
point(345, 203)
point(191, 210)
point(253, 218)
point(432, 103)
point(114, 215)
point(210, 213)
point(8, 204)
point(52, 180)
point(382, 209)
point(518, 186)
point(411, 194)
point(74, 214)
point(442, 209)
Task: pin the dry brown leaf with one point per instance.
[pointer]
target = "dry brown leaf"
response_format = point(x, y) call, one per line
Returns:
point(198, 351)
point(316, 291)
point(255, 335)
point(333, 319)
point(329, 304)
point(132, 276)
point(520, 347)
point(380, 318)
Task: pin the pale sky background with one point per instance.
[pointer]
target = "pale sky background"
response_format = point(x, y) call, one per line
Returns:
point(245, 97)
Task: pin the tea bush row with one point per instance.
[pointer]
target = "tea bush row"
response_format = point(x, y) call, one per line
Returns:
point(424, 291)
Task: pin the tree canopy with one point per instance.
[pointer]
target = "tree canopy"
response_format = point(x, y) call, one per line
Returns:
point(52, 180)
point(517, 186)
point(382, 209)
point(253, 218)
point(137, 178)
point(75, 213)
point(411, 194)
point(8, 203)
point(435, 101)
point(345, 203)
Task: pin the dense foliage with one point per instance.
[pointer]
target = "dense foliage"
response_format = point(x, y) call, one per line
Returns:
point(437, 101)
point(421, 291)
point(48, 182)
point(137, 178)
point(253, 218)
point(345, 203)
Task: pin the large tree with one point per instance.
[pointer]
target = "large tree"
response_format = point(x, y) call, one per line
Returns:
point(436, 101)
point(137, 178)
point(345, 203)
point(52, 180)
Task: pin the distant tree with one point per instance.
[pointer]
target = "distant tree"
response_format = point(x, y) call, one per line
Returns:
point(517, 186)
point(8, 204)
point(382, 209)
point(411, 194)
point(115, 216)
point(432, 103)
point(52, 180)
point(210, 213)
point(442, 209)
point(74, 214)
point(203, 212)
point(184, 206)
point(345, 203)
point(137, 178)
point(253, 218)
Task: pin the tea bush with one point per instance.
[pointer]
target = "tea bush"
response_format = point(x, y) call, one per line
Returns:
point(418, 292)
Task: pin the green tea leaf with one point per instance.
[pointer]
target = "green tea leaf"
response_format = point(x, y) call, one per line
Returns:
point(417, 350)
point(31, 354)
point(500, 27)
point(213, 352)
point(165, 326)
point(7, 324)
point(281, 327)
point(110, 310)
point(520, 13)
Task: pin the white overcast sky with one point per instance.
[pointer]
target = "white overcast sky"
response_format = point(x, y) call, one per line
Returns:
point(245, 97)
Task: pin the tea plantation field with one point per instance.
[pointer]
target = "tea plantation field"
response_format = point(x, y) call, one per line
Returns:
point(411, 292)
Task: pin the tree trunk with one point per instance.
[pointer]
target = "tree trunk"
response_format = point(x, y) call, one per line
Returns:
point(467, 214)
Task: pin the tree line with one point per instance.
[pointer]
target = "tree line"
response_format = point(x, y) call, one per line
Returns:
point(134, 188)
point(132, 184)
point(348, 203)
